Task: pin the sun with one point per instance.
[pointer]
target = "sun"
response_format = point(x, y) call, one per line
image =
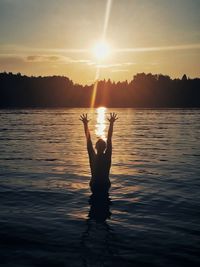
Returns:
point(101, 50)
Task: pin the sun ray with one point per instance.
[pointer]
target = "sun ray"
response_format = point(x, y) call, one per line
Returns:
point(106, 20)
point(107, 17)
point(94, 91)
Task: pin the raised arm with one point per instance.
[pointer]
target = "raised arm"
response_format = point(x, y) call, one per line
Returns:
point(113, 117)
point(85, 120)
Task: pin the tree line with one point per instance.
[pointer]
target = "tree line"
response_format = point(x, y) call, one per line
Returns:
point(143, 91)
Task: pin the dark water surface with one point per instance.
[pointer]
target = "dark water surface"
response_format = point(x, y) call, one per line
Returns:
point(47, 214)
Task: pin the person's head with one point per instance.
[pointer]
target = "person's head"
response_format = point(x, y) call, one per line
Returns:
point(100, 146)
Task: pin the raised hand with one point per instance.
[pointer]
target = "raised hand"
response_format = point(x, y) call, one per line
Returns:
point(84, 118)
point(113, 117)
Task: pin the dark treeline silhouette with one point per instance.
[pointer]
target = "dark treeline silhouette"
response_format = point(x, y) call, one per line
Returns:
point(143, 91)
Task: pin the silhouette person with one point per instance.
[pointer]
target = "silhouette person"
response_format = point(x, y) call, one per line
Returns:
point(100, 161)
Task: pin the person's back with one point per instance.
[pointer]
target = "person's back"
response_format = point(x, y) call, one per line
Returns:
point(100, 162)
point(100, 167)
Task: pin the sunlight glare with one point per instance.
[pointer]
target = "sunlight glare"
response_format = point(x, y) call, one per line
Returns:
point(101, 125)
point(101, 50)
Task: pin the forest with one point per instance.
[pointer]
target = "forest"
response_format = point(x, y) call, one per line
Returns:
point(143, 91)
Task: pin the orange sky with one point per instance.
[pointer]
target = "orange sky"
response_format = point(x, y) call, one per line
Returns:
point(58, 37)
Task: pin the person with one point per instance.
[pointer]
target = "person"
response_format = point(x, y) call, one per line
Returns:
point(100, 161)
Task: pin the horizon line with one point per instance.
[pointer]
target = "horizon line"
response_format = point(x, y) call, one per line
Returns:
point(94, 81)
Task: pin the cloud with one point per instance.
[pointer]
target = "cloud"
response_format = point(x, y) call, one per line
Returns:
point(54, 58)
point(107, 66)
point(112, 65)
point(87, 61)
point(129, 63)
point(33, 58)
point(159, 48)
point(20, 49)
point(39, 58)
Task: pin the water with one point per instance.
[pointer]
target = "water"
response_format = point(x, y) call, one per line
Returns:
point(152, 215)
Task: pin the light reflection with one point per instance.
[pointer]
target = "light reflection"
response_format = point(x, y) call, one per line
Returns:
point(101, 125)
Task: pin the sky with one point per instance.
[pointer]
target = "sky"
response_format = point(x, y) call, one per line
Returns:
point(48, 37)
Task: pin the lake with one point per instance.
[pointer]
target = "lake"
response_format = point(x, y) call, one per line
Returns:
point(47, 214)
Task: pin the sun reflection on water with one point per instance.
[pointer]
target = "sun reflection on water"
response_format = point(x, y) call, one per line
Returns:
point(101, 123)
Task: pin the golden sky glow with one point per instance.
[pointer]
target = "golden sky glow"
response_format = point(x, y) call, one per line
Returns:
point(60, 37)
